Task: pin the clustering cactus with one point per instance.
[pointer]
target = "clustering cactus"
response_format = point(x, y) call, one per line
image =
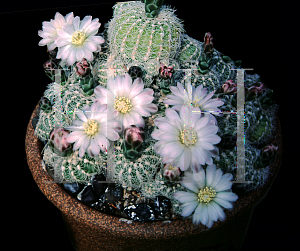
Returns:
point(152, 45)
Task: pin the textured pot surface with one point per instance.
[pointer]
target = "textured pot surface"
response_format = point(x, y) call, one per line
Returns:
point(90, 229)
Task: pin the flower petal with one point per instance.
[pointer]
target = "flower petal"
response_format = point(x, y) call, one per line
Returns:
point(188, 208)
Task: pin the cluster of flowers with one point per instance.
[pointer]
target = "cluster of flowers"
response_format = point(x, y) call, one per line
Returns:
point(185, 136)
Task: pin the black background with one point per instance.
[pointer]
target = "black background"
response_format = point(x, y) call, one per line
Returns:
point(263, 36)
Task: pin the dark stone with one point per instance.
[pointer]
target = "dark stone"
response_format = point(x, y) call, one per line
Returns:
point(162, 207)
point(140, 212)
point(113, 193)
point(88, 196)
point(73, 188)
point(98, 183)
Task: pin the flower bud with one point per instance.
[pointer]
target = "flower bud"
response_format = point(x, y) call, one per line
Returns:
point(256, 90)
point(208, 44)
point(171, 173)
point(82, 68)
point(166, 72)
point(58, 142)
point(133, 139)
point(229, 87)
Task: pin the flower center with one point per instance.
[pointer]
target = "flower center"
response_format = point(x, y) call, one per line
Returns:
point(195, 102)
point(123, 104)
point(78, 38)
point(188, 137)
point(91, 127)
point(206, 194)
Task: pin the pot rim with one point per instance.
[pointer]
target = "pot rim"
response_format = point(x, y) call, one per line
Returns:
point(112, 224)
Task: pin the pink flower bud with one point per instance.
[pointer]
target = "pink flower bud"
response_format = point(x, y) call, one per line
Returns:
point(166, 72)
point(208, 44)
point(58, 142)
point(82, 68)
point(171, 173)
point(256, 90)
point(229, 87)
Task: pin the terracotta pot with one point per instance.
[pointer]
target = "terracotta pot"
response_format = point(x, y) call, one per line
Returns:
point(91, 230)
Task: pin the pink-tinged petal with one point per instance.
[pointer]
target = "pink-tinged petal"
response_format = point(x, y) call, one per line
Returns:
point(138, 120)
point(51, 46)
point(92, 29)
point(169, 137)
point(72, 137)
point(128, 120)
point(75, 128)
point(172, 115)
point(81, 152)
point(79, 142)
point(156, 134)
point(176, 91)
point(80, 115)
point(198, 155)
point(76, 22)
point(195, 165)
point(185, 115)
point(86, 21)
point(136, 88)
point(142, 100)
point(176, 150)
point(168, 128)
point(102, 141)
point(187, 158)
point(141, 111)
point(205, 145)
point(213, 139)
point(158, 146)
point(207, 156)
point(79, 54)
point(64, 34)
point(69, 17)
point(72, 57)
point(112, 135)
point(150, 108)
point(64, 52)
point(209, 130)
point(95, 149)
point(201, 123)
point(97, 39)
point(188, 208)
point(90, 46)
point(86, 143)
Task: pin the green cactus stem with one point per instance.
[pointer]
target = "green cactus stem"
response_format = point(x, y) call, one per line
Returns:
point(88, 85)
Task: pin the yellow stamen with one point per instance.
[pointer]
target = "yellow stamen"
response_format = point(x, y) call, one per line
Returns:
point(188, 137)
point(78, 38)
point(123, 105)
point(91, 127)
point(206, 194)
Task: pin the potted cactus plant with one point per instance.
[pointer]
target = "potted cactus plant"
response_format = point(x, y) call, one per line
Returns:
point(139, 127)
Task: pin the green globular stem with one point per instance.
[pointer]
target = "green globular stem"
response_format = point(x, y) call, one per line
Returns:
point(259, 131)
point(152, 7)
point(88, 85)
